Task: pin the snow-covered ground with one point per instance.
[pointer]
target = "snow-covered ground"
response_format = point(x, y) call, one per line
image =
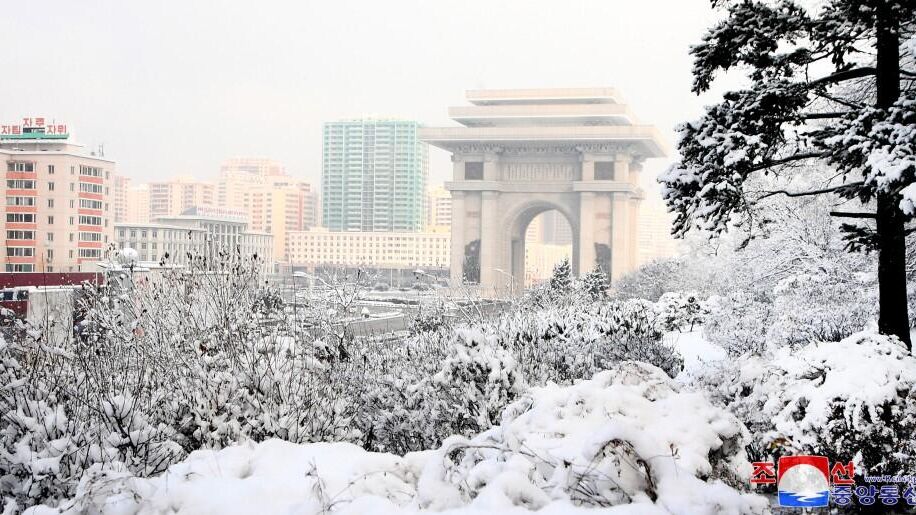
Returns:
point(695, 349)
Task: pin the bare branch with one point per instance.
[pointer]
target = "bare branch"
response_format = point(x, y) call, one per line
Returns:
point(809, 192)
point(845, 214)
point(787, 160)
point(855, 73)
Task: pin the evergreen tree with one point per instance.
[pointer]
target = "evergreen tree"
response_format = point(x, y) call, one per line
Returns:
point(858, 118)
point(596, 283)
point(561, 280)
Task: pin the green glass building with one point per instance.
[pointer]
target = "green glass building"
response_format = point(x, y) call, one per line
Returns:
point(373, 175)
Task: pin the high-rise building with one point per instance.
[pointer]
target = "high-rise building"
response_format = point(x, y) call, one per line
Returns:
point(373, 176)
point(137, 210)
point(173, 197)
point(58, 209)
point(275, 203)
point(120, 186)
point(439, 209)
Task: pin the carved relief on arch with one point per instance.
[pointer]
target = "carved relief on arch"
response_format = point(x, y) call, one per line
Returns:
point(538, 172)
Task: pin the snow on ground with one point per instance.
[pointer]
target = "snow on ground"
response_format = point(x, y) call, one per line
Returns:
point(695, 349)
point(626, 442)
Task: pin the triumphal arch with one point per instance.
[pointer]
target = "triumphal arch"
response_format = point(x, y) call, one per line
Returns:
point(521, 152)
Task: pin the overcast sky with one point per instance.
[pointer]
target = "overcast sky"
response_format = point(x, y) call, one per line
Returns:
point(173, 87)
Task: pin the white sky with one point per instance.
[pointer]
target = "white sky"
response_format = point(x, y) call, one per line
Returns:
point(173, 87)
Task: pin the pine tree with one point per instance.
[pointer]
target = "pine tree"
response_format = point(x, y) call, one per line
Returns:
point(596, 283)
point(561, 280)
point(857, 118)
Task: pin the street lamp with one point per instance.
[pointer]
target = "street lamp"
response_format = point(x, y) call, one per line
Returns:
point(510, 278)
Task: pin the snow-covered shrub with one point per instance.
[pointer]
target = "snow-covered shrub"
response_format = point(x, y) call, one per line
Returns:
point(854, 399)
point(626, 442)
point(570, 342)
point(464, 394)
point(679, 311)
point(738, 322)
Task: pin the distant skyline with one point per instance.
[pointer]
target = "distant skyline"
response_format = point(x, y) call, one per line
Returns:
point(174, 88)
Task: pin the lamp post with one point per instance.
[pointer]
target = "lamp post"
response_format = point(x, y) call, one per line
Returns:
point(510, 278)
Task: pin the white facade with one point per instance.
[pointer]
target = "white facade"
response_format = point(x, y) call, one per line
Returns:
point(199, 231)
point(399, 250)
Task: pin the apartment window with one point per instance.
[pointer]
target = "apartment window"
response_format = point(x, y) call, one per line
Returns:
point(90, 253)
point(71, 204)
point(20, 184)
point(20, 218)
point(20, 166)
point(50, 202)
point(71, 220)
point(50, 220)
point(50, 257)
point(20, 201)
point(473, 171)
point(50, 186)
point(71, 239)
point(90, 236)
point(50, 169)
point(20, 235)
point(121, 232)
point(72, 186)
point(20, 267)
point(86, 203)
point(20, 251)
point(90, 220)
point(90, 171)
point(50, 236)
point(87, 187)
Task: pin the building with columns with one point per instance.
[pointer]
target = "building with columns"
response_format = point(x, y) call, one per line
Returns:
point(521, 152)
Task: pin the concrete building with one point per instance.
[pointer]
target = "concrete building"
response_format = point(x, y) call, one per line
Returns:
point(200, 231)
point(173, 197)
point(274, 202)
point(119, 187)
point(521, 152)
point(655, 240)
point(137, 209)
point(439, 209)
point(377, 250)
point(58, 208)
point(373, 176)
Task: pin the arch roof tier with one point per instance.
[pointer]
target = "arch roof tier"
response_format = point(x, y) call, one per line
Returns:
point(525, 118)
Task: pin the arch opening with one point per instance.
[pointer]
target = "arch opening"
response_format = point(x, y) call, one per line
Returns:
point(540, 236)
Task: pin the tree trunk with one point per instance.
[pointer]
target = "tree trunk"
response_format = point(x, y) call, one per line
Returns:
point(892, 301)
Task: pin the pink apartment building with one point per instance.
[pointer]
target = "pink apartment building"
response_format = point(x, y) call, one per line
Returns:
point(58, 207)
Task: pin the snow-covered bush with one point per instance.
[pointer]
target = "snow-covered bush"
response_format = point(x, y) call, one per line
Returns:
point(854, 399)
point(679, 311)
point(570, 342)
point(626, 442)
point(461, 393)
point(738, 322)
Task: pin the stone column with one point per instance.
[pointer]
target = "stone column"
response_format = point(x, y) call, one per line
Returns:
point(456, 265)
point(457, 168)
point(634, 233)
point(586, 233)
point(489, 241)
point(588, 168)
point(490, 167)
point(622, 167)
point(620, 234)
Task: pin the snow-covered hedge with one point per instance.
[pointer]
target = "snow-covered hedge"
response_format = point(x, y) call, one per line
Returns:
point(625, 442)
point(854, 399)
